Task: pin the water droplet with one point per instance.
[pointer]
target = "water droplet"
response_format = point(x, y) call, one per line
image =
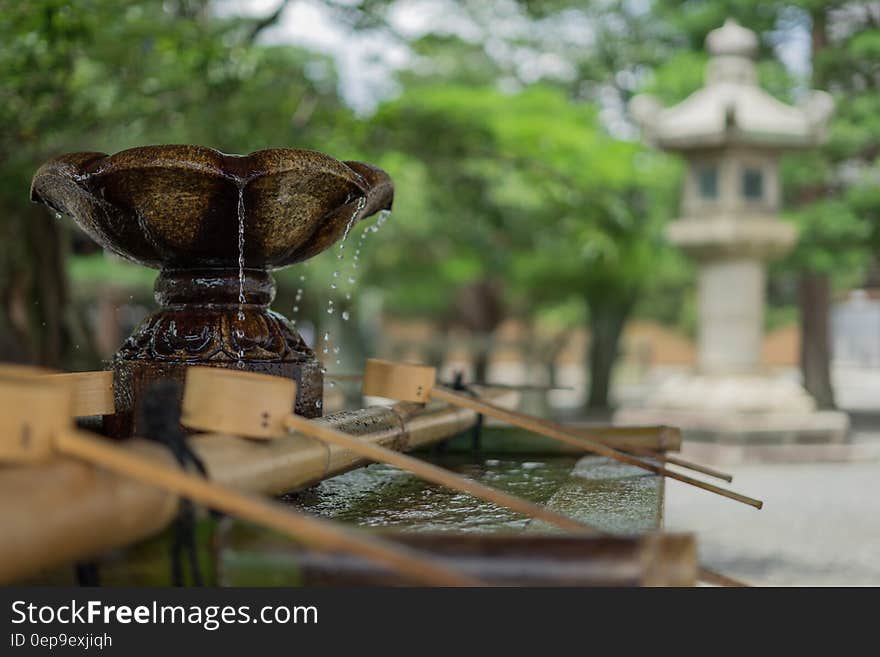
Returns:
point(336, 274)
point(296, 309)
point(338, 362)
point(330, 310)
point(302, 277)
point(345, 315)
point(318, 403)
point(326, 335)
point(326, 350)
point(336, 350)
point(352, 280)
point(332, 384)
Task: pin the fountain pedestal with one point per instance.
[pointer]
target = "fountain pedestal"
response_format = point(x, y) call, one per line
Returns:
point(201, 321)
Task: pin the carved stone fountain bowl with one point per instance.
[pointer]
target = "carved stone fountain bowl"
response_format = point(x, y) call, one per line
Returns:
point(179, 209)
point(178, 206)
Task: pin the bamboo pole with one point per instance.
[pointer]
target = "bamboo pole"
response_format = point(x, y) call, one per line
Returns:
point(36, 422)
point(75, 510)
point(313, 531)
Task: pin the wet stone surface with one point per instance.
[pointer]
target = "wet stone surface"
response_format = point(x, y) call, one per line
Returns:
point(615, 497)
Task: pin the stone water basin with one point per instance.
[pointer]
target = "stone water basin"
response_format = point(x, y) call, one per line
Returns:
point(616, 498)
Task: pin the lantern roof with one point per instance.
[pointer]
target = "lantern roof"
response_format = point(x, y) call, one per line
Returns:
point(731, 108)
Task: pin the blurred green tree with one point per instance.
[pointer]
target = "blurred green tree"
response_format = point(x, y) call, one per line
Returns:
point(525, 197)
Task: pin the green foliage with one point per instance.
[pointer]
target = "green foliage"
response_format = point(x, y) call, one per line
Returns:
point(826, 188)
point(526, 188)
point(95, 269)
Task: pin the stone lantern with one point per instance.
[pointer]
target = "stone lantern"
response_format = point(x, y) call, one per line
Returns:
point(732, 133)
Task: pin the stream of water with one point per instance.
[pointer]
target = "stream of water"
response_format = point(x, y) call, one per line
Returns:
point(342, 285)
point(241, 299)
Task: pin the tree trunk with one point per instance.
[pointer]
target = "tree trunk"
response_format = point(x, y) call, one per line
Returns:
point(607, 319)
point(36, 322)
point(815, 286)
point(815, 302)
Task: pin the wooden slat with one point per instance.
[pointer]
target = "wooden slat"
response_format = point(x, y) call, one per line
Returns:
point(236, 402)
point(32, 411)
point(92, 392)
point(659, 437)
point(400, 381)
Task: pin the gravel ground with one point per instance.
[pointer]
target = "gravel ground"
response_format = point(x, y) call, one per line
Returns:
point(820, 524)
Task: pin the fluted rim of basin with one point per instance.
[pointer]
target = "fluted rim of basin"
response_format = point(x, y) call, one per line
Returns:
point(174, 205)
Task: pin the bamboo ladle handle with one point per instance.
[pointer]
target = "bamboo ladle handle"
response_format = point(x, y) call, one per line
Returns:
point(682, 463)
point(320, 533)
point(562, 434)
